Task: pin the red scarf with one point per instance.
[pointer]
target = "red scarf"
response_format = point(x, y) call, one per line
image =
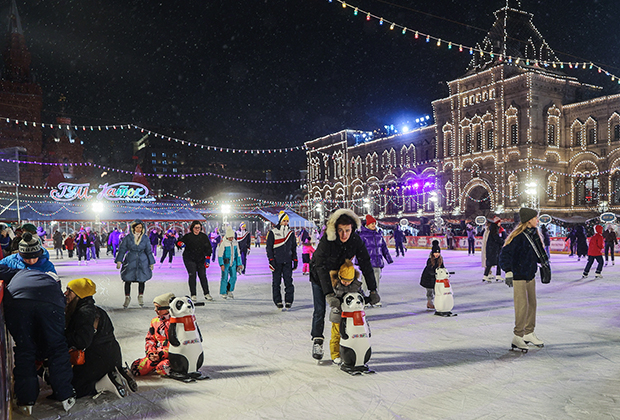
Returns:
point(358, 317)
point(189, 322)
point(446, 282)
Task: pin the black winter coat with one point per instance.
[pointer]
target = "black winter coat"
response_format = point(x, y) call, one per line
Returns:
point(428, 275)
point(493, 248)
point(197, 247)
point(520, 258)
point(330, 255)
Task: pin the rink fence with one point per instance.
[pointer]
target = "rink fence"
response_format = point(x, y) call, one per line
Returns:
point(558, 245)
point(5, 359)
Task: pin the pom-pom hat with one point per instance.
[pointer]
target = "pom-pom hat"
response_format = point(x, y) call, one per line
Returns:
point(229, 232)
point(82, 287)
point(30, 246)
point(282, 217)
point(435, 246)
point(347, 271)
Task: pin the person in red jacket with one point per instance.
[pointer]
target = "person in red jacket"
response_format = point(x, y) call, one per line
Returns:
point(595, 252)
point(156, 346)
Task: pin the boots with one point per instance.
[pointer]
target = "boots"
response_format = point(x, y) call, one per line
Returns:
point(141, 300)
point(531, 338)
point(127, 300)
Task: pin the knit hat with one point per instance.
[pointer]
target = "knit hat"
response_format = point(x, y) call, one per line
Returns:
point(526, 214)
point(242, 225)
point(435, 246)
point(370, 220)
point(164, 300)
point(82, 287)
point(347, 271)
point(282, 216)
point(30, 246)
point(29, 227)
point(230, 233)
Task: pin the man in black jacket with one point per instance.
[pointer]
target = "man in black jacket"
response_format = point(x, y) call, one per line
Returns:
point(339, 243)
point(282, 254)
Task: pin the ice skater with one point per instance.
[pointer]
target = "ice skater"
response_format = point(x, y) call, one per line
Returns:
point(243, 239)
point(582, 242)
point(377, 249)
point(306, 255)
point(471, 240)
point(229, 259)
point(595, 252)
point(196, 258)
point(611, 240)
point(492, 248)
point(282, 255)
point(167, 245)
point(519, 258)
point(435, 261)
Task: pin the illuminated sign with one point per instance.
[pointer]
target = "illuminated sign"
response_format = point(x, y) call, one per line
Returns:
point(122, 191)
point(544, 218)
point(480, 220)
point(608, 217)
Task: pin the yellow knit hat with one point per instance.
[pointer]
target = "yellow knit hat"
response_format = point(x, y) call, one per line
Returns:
point(282, 216)
point(347, 271)
point(82, 287)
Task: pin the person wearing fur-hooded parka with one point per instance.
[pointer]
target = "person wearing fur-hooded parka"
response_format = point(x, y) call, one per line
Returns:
point(339, 243)
point(135, 260)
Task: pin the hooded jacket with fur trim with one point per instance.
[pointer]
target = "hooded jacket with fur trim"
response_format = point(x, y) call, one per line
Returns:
point(330, 254)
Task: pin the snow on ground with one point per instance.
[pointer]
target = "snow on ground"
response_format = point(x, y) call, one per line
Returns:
point(428, 367)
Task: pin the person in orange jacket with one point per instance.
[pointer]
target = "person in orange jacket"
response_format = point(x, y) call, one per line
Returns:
point(156, 346)
point(595, 252)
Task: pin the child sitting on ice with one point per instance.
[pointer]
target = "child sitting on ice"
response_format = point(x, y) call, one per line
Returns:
point(427, 281)
point(156, 346)
point(306, 255)
point(346, 280)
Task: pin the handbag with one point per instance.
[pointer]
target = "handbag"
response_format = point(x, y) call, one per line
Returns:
point(78, 357)
point(545, 268)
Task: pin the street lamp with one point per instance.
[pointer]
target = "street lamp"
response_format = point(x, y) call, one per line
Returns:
point(533, 192)
point(225, 213)
point(97, 207)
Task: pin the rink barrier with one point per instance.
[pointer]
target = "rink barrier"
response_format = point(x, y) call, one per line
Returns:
point(558, 245)
point(5, 361)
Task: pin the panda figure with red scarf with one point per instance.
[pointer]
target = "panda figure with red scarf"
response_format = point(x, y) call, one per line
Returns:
point(355, 348)
point(185, 351)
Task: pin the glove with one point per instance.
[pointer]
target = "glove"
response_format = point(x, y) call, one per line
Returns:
point(374, 297)
point(247, 252)
point(295, 264)
point(239, 269)
point(272, 263)
point(151, 267)
point(332, 300)
point(180, 244)
point(509, 278)
point(207, 263)
point(118, 265)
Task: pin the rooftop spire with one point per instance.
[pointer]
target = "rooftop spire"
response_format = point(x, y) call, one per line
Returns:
point(15, 23)
point(16, 54)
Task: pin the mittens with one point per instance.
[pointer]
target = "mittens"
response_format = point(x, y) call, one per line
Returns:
point(332, 300)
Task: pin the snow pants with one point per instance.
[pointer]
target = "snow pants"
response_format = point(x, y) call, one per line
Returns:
point(334, 341)
point(283, 271)
point(525, 306)
point(228, 279)
point(144, 366)
point(38, 329)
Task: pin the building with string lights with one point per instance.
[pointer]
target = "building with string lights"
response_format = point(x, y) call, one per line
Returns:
point(515, 130)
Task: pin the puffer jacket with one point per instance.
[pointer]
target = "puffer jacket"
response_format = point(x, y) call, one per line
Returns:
point(136, 258)
point(376, 246)
point(520, 258)
point(156, 341)
point(330, 254)
point(597, 242)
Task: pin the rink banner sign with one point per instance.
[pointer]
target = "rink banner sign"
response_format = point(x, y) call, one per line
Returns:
point(608, 217)
point(122, 191)
point(544, 219)
point(480, 220)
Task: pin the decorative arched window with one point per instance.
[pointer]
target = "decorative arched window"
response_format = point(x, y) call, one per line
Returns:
point(552, 187)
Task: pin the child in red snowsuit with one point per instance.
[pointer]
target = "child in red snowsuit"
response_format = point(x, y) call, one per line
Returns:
point(156, 346)
point(306, 255)
point(595, 252)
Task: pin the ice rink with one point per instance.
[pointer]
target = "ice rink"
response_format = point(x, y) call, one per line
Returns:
point(428, 367)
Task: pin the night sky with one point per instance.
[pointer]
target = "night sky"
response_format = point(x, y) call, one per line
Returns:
point(268, 74)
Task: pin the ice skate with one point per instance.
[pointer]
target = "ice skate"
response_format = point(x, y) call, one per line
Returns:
point(498, 278)
point(598, 276)
point(208, 297)
point(337, 361)
point(490, 278)
point(317, 349)
point(287, 306)
point(229, 294)
point(531, 338)
point(68, 403)
point(429, 305)
point(194, 298)
point(280, 306)
point(224, 296)
point(125, 373)
point(518, 344)
point(79, 263)
point(113, 383)
point(585, 276)
point(127, 300)
point(141, 300)
point(25, 410)
point(613, 263)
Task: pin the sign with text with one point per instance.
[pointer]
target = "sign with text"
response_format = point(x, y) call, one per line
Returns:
point(480, 220)
point(122, 191)
point(544, 218)
point(608, 217)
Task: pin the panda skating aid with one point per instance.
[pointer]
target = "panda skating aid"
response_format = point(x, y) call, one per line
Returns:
point(185, 351)
point(355, 349)
point(444, 299)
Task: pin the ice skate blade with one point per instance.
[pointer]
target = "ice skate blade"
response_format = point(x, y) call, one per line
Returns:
point(199, 376)
point(515, 348)
point(444, 314)
point(540, 346)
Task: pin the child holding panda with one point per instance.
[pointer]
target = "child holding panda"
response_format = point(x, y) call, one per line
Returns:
point(345, 280)
point(435, 261)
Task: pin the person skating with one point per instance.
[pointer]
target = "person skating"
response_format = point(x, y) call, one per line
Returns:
point(70, 245)
point(493, 247)
point(135, 256)
point(377, 249)
point(519, 258)
point(154, 238)
point(257, 238)
point(306, 255)
point(595, 252)
point(471, 240)
point(282, 255)
point(544, 232)
point(90, 330)
point(582, 242)
point(114, 240)
point(156, 342)
point(339, 243)
point(611, 240)
point(427, 280)
point(215, 239)
point(83, 245)
point(167, 245)
point(398, 236)
point(229, 260)
point(34, 311)
point(58, 244)
point(196, 258)
point(243, 239)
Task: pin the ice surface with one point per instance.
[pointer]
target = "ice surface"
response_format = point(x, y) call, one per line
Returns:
point(428, 367)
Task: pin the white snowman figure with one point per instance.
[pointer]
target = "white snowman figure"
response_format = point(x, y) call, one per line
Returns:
point(185, 351)
point(444, 299)
point(355, 348)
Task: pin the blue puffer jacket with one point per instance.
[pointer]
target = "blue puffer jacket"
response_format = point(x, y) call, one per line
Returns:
point(519, 256)
point(43, 264)
point(136, 259)
point(36, 285)
point(377, 248)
